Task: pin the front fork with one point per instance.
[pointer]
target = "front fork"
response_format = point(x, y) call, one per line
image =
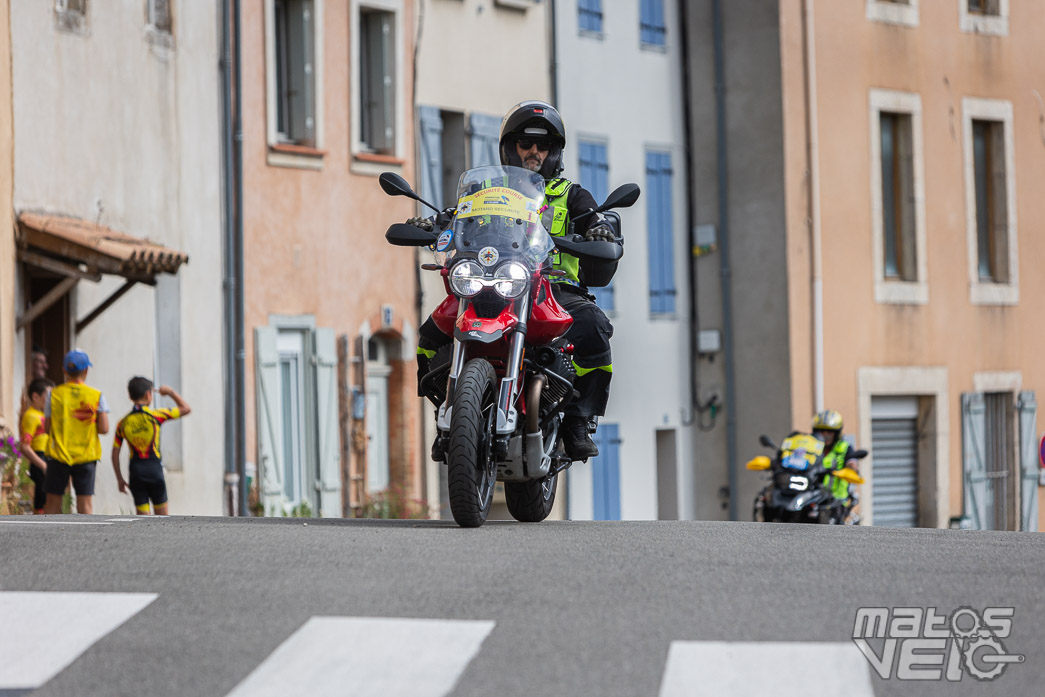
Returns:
point(507, 415)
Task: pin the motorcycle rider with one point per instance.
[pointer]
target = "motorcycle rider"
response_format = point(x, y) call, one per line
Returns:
point(838, 453)
point(533, 136)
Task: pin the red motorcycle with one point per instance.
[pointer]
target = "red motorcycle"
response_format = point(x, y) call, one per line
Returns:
point(501, 386)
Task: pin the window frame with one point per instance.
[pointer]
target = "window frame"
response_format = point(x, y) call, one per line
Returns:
point(986, 292)
point(892, 290)
point(72, 21)
point(281, 153)
point(362, 160)
point(982, 23)
point(891, 12)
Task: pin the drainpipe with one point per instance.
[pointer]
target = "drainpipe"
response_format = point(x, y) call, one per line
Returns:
point(241, 352)
point(691, 218)
point(553, 63)
point(228, 286)
point(721, 152)
point(812, 154)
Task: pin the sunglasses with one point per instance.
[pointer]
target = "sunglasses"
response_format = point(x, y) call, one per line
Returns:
point(527, 143)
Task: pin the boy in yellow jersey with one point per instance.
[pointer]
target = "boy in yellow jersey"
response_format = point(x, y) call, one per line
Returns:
point(141, 430)
point(75, 415)
point(34, 438)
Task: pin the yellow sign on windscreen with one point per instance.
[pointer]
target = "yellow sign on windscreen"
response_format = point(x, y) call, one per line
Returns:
point(498, 200)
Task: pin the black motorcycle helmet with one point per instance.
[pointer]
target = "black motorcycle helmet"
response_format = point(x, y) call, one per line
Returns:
point(533, 119)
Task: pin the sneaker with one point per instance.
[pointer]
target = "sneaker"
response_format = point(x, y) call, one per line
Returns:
point(576, 440)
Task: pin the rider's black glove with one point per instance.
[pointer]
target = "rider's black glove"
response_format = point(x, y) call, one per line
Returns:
point(445, 217)
point(601, 232)
point(423, 223)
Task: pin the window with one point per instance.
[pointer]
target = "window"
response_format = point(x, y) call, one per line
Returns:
point(651, 22)
point(898, 203)
point(990, 200)
point(295, 85)
point(377, 81)
point(984, 16)
point(594, 176)
point(71, 15)
point(660, 232)
point(902, 12)
point(589, 15)
point(898, 198)
point(159, 15)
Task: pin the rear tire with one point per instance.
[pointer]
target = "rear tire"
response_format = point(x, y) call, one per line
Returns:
point(532, 501)
point(471, 469)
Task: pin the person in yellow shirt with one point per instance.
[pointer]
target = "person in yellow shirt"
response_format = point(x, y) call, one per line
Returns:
point(34, 438)
point(141, 430)
point(75, 415)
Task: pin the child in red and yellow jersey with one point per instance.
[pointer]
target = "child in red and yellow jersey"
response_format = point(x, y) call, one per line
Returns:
point(34, 438)
point(141, 430)
point(75, 415)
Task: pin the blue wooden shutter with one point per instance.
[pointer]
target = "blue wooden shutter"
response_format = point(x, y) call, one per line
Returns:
point(605, 471)
point(651, 22)
point(1027, 408)
point(589, 15)
point(594, 176)
point(974, 461)
point(660, 234)
point(485, 132)
point(431, 154)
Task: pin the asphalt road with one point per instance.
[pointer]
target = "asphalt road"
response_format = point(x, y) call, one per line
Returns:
point(254, 607)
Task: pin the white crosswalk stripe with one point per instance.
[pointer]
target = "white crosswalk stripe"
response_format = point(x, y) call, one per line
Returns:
point(368, 656)
point(54, 629)
point(750, 669)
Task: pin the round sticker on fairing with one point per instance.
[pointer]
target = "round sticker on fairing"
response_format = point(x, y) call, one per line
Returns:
point(444, 241)
point(489, 256)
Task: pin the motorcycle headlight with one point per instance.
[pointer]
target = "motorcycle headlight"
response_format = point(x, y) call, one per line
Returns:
point(466, 279)
point(510, 279)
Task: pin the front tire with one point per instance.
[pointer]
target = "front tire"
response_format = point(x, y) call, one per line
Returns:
point(471, 469)
point(532, 501)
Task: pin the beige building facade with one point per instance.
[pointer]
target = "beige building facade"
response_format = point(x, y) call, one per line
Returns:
point(909, 141)
point(330, 307)
point(8, 403)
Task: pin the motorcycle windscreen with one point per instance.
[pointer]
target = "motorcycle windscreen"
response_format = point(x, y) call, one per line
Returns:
point(498, 218)
point(800, 452)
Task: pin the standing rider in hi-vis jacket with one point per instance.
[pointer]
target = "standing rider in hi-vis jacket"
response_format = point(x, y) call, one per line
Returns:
point(532, 136)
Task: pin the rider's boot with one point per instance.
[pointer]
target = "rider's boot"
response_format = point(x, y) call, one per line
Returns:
point(576, 440)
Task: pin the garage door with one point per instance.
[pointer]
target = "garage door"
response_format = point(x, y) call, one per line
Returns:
point(894, 453)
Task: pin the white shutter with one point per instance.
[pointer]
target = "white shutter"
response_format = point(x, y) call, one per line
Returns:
point(329, 443)
point(269, 419)
point(485, 134)
point(974, 460)
point(1028, 410)
point(431, 154)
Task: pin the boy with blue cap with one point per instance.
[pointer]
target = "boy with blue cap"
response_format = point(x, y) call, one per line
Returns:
point(75, 415)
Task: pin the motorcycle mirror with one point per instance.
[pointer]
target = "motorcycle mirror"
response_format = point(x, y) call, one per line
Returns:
point(767, 441)
point(624, 196)
point(403, 235)
point(860, 454)
point(394, 185)
point(759, 463)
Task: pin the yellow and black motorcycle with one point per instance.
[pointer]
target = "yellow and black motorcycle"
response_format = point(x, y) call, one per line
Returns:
point(796, 491)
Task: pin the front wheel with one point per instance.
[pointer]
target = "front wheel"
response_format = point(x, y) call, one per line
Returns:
point(531, 501)
point(471, 469)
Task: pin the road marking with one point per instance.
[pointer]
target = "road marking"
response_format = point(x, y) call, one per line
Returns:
point(743, 669)
point(48, 631)
point(32, 521)
point(368, 656)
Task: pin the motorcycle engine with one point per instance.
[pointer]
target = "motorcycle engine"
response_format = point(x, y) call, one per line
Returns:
point(558, 362)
